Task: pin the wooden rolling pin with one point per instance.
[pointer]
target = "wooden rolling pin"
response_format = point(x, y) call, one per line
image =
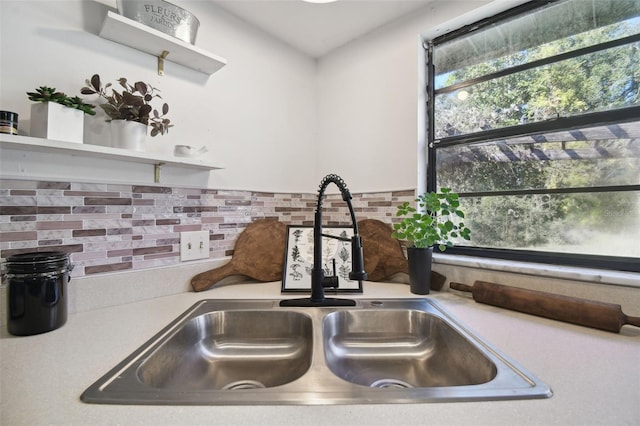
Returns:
point(600, 315)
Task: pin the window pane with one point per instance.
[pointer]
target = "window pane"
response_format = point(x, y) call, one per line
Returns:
point(606, 224)
point(590, 157)
point(599, 81)
point(558, 28)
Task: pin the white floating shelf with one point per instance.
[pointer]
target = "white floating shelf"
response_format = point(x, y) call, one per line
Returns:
point(30, 144)
point(149, 40)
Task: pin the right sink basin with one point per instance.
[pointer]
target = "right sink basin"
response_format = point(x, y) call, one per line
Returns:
point(401, 348)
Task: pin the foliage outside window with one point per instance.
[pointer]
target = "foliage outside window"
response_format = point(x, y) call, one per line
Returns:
point(534, 119)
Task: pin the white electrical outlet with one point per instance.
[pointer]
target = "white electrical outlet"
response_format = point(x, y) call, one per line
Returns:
point(194, 245)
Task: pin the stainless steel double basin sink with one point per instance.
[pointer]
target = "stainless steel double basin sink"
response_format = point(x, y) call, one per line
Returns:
point(235, 352)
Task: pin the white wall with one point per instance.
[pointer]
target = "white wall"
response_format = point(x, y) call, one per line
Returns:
point(256, 115)
point(368, 93)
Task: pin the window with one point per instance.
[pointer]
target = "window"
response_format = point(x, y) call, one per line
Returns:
point(533, 117)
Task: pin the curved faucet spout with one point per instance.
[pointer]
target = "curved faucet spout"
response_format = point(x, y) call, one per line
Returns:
point(317, 274)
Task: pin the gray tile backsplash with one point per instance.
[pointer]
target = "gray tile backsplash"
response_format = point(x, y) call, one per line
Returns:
point(115, 227)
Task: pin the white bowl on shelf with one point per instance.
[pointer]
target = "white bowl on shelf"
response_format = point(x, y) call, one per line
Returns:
point(188, 151)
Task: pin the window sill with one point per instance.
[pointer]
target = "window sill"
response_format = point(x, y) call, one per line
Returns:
point(627, 279)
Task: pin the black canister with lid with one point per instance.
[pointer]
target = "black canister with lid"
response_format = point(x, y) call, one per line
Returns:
point(37, 296)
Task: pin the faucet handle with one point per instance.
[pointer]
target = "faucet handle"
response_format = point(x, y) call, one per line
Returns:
point(357, 260)
point(331, 281)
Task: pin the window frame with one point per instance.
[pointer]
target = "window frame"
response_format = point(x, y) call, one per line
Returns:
point(627, 114)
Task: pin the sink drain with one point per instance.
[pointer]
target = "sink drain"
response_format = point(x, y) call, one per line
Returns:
point(244, 384)
point(390, 383)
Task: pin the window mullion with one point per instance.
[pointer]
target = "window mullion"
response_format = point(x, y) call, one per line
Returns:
point(431, 148)
point(545, 191)
point(593, 119)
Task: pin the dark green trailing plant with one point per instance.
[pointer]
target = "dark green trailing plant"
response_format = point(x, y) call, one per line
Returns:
point(133, 103)
point(49, 94)
point(435, 220)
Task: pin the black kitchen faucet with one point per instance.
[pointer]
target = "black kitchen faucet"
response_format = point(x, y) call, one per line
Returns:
point(318, 280)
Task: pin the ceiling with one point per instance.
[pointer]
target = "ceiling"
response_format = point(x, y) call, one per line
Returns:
point(314, 28)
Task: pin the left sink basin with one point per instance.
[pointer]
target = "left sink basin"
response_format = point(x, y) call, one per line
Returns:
point(213, 353)
point(230, 350)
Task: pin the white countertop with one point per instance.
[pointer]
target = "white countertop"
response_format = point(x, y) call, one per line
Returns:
point(595, 375)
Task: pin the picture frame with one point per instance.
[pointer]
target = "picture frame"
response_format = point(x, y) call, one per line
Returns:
point(298, 261)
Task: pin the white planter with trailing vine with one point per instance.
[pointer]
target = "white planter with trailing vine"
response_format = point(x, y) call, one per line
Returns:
point(127, 134)
point(51, 120)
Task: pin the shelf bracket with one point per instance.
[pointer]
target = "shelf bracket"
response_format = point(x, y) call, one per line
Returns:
point(156, 172)
point(161, 59)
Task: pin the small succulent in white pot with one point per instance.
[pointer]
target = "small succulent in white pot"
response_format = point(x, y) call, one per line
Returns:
point(50, 94)
point(56, 116)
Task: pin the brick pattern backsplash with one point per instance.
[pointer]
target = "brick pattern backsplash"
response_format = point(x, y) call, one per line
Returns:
point(115, 227)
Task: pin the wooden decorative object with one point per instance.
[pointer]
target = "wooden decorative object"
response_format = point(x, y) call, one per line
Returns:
point(589, 313)
point(383, 255)
point(258, 254)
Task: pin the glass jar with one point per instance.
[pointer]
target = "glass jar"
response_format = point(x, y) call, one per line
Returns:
point(9, 122)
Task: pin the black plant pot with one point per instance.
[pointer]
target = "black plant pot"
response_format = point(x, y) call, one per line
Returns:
point(420, 269)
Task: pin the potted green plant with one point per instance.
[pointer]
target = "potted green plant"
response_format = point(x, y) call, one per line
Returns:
point(130, 105)
point(58, 116)
point(436, 219)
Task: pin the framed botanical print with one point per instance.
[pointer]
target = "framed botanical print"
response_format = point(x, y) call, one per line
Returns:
point(336, 254)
